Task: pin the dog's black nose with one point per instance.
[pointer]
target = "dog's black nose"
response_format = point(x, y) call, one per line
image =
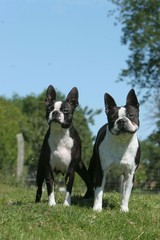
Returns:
point(121, 122)
point(55, 114)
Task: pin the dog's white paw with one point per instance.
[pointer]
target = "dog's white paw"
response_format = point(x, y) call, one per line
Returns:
point(66, 204)
point(97, 208)
point(67, 201)
point(51, 201)
point(52, 204)
point(124, 209)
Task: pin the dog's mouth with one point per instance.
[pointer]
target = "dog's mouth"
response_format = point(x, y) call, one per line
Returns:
point(50, 121)
point(65, 125)
point(56, 121)
point(122, 131)
point(125, 131)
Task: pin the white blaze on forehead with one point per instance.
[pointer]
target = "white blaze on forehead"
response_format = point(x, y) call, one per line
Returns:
point(57, 105)
point(122, 112)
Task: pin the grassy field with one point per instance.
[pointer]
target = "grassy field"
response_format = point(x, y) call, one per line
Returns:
point(21, 218)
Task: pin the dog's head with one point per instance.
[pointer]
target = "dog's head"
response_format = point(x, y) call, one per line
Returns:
point(122, 119)
point(60, 111)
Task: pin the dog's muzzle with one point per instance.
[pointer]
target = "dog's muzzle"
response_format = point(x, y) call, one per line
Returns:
point(54, 116)
point(125, 125)
point(58, 117)
point(122, 123)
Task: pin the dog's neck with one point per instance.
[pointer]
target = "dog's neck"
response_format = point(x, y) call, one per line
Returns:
point(57, 131)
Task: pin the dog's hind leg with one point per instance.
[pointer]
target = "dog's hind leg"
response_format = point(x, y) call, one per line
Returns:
point(39, 181)
point(83, 173)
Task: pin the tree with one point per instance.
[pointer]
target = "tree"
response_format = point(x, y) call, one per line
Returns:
point(141, 31)
point(33, 109)
point(150, 160)
point(11, 122)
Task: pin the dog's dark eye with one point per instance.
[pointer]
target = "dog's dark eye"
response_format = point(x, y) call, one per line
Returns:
point(50, 108)
point(113, 117)
point(131, 115)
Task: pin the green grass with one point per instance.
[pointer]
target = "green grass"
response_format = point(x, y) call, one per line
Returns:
point(21, 218)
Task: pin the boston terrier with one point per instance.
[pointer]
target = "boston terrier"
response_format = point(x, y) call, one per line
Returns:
point(61, 149)
point(116, 149)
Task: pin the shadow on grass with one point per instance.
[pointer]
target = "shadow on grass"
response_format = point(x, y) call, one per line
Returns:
point(81, 202)
point(109, 201)
point(88, 203)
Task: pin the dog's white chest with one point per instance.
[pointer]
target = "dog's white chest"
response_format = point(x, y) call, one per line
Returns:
point(60, 144)
point(118, 154)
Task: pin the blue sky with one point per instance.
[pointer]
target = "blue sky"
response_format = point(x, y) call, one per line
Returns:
point(65, 43)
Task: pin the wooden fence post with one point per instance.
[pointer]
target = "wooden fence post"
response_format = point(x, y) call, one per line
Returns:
point(20, 156)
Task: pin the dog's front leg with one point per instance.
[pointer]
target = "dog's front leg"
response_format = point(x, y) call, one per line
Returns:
point(98, 198)
point(69, 179)
point(51, 196)
point(127, 185)
point(50, 187)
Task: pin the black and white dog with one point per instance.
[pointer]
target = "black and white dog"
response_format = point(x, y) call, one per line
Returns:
point(116, 148)
point(61, 149)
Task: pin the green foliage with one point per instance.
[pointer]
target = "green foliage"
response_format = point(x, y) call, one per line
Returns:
point(150, 155)
point(22, 219)
point(141, 32)
point(33, 108)
point(12, 122)
point(150, 160)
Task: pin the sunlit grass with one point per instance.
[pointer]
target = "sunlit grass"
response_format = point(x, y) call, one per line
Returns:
point(21, 218)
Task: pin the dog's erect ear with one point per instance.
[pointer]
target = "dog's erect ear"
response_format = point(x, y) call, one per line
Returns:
point(132, 99)
point(109, 102)
point(72, 97)
point(50, 95)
